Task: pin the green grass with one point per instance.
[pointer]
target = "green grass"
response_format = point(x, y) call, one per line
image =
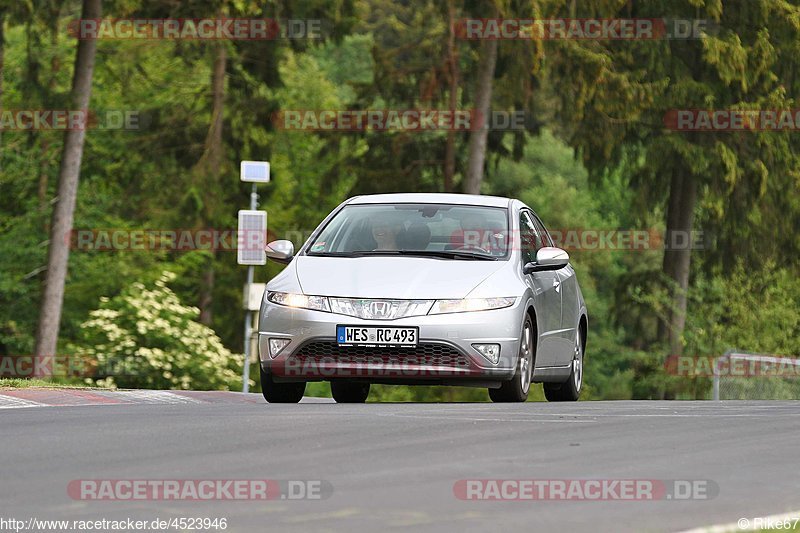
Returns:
point(23, 383)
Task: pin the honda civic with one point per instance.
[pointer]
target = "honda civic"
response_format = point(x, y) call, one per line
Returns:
point(423, 289)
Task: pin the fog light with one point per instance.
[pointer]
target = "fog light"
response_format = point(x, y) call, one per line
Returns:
point(276, 346)
point(491, 352)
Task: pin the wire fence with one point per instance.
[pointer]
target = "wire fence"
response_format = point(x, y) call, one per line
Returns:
point(749, 376)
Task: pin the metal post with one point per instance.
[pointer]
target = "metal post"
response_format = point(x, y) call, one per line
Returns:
point(716, 387)
point(248, 332)
point(248, 329)
point(717, 361)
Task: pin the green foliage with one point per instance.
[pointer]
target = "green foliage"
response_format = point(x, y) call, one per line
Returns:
point(612, 100)
point(597, 157)
point(745, 311)
point(145, 338)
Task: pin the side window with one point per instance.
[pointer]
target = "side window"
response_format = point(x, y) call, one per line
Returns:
point(528, 238)
point(545, 236)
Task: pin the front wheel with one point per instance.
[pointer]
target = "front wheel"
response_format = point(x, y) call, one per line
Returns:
point(517, 389)
point(346, 392)
point(280, 392)
point(570, 390)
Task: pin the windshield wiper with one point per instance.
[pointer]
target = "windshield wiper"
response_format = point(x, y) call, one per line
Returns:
point(363, 253)
point(446, 254)
point(449, 254)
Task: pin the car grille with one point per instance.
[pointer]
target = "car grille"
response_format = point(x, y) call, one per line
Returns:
point(425, 354)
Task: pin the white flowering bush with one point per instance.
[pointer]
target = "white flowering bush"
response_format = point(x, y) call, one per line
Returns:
point(145, 338)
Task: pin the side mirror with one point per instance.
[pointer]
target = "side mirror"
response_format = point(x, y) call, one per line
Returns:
point(280, 251)
point(547, 258)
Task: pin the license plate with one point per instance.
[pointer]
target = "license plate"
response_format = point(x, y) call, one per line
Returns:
point(376, 336)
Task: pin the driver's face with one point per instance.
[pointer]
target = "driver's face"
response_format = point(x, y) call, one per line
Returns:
point(382, 230)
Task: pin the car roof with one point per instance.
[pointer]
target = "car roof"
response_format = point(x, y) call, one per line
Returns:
point(431, 198)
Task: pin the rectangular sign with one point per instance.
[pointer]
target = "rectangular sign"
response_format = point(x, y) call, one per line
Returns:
point(251, 239)
point(254, 171)
point(253, 294)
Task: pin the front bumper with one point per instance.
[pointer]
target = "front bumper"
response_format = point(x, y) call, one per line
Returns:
point(444, 354)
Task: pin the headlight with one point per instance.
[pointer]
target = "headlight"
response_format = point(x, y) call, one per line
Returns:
point(470, 304)
point(315, 303)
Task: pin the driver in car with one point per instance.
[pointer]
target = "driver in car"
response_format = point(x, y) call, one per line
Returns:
point(385, 231)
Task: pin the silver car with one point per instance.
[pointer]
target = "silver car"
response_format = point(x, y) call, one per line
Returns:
point(423, 289)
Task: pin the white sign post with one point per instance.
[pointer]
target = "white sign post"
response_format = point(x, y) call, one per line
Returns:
point(252, 237)
point(251, 242)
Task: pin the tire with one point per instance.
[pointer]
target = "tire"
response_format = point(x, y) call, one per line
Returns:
point(280, 392)
point(348, 392)
point(517, 389)
point(570, 390)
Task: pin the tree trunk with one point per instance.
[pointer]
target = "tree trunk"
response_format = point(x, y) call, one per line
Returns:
point(452, 59)
point(668, 262)
point(677, 260)
point(210, 166)
point(44, 162)
point(207, 294)
point(213, 146)
point(2, 67)
point(43, 177)
point(64, 208)
point(483, 100)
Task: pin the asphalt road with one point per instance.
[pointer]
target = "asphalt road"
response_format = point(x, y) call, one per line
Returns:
point(394, 466)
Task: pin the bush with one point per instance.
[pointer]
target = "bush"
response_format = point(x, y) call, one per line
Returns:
point(145, 338)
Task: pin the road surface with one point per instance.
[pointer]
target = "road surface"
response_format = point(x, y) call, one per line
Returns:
point(394, 466)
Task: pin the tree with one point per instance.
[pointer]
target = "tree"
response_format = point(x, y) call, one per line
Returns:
point(3, 9)
point(454, 75)
point(209, 167)
point(63, 211)
point(505, 77)
point(422, 61)
point(483, 99)
point(614, 97)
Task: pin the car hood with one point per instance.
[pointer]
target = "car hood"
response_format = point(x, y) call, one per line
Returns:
point(392, 277)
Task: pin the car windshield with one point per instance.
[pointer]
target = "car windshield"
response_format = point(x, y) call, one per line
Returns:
point(436, 230)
